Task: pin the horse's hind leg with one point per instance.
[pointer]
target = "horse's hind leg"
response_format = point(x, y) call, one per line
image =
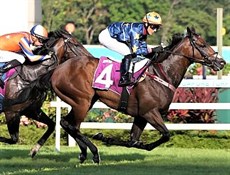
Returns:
point(13, 122)
point(66, 125)
point(82, 141)
point(41, 117)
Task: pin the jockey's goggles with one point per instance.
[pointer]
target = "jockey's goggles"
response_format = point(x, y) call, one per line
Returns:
point(40, 39)
point(154, 27)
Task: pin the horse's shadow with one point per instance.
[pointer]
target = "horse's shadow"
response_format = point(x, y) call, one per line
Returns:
point(67, 156)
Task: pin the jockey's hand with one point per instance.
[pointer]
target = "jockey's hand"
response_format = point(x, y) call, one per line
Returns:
point(157, 49)
point(134, 55)
point(47, 57)
point(51, 53)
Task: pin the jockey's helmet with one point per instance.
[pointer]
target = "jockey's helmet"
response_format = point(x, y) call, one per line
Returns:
point(39, 32)
point(152, 18)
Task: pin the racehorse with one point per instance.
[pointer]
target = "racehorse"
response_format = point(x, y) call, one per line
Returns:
point(148, 100)
point(27, 89)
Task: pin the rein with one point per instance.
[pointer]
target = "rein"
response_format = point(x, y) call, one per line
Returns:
point(155, 77)
point(67, 42)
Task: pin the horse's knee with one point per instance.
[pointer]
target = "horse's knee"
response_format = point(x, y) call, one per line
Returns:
point(51, 126)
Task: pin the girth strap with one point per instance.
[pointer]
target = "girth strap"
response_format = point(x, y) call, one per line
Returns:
point(123, 101)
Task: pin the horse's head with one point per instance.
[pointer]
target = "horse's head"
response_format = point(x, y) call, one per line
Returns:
point(64, 46)
point(202, 52)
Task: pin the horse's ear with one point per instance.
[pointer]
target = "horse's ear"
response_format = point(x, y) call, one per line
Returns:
point(189, 32)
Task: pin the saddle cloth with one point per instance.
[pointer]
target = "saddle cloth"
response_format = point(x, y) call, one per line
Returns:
point(5, 78)
point(107, 74)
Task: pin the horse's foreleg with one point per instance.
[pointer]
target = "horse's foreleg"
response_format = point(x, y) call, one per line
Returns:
point(155, 119)
point(13, 122)
point(41, 117)
point(82, 141)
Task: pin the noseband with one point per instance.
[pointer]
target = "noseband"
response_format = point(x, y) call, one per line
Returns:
point(206, 61)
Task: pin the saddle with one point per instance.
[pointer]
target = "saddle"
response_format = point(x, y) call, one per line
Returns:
point(26, 77)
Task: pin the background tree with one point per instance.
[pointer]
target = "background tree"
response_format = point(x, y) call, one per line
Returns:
point(91, 16)
point(88, 15)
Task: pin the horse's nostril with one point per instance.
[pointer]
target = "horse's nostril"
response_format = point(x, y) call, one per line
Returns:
point(222, 62)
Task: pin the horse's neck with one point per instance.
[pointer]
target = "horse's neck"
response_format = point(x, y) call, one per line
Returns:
point(175, 68)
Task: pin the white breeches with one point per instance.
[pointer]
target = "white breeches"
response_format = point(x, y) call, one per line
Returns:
point(106, 40)
point(6, 56)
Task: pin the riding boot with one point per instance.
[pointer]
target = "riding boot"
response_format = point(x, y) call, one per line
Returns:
point(1, 81)
point(5, 68)
point(125, 74)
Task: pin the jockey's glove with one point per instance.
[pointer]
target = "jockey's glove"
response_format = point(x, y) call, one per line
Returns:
point(157, 49)
point(134, 55)
point(51, 53)
point(47, 57)
point(131, 56)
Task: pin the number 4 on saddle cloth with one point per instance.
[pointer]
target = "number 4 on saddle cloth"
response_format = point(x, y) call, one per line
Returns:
point(5, 77)
point(107, 74)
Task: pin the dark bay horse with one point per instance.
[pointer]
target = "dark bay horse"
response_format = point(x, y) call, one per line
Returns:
point(148, 101)
point(27, 90)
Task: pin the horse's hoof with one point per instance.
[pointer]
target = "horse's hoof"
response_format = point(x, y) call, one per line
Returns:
point(109, 141)
point(35, 150)
point(82, 158)
point(98, 136)
point(33, 153)
point(96, 159)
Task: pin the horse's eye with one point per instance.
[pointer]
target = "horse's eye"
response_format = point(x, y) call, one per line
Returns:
point(202, 45)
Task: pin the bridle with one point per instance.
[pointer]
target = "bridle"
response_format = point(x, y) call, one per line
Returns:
point(68, 44)
point(206, 58)
point(206, 61)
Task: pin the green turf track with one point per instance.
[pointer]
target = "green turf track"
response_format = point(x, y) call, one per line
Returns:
point(115, 161)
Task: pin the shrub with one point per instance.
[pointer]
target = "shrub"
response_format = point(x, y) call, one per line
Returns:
point(193, 95)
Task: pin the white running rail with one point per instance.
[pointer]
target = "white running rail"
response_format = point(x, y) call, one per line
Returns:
point(223, 83)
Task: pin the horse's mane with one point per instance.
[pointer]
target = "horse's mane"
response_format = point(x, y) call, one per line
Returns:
point(53, 37)
point(176, 38)
point(59, 33)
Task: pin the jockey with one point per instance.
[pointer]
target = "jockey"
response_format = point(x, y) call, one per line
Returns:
point(129, 39)
point(14, 46)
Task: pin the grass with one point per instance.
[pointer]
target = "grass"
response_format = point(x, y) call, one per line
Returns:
point(14, 160)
